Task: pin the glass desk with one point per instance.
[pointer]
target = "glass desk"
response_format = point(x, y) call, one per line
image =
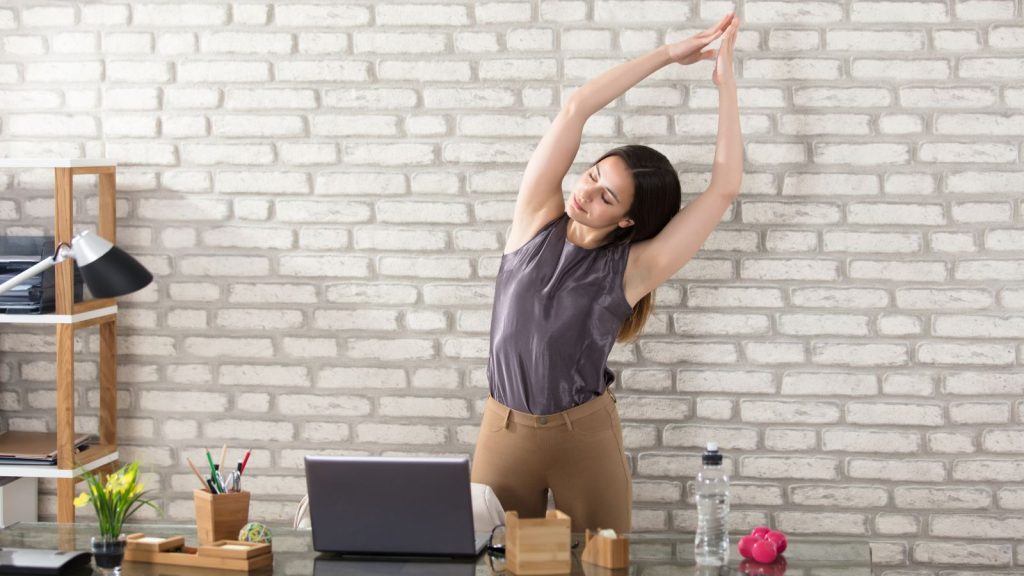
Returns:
point(651, 554)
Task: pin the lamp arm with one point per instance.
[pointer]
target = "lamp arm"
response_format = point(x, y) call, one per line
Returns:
point(63, 252)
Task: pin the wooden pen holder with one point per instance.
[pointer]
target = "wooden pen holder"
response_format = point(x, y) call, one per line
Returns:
point(538, 545)
point(220, 516)
point(606, 552)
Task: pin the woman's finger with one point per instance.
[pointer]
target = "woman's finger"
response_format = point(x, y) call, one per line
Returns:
point(716, 30)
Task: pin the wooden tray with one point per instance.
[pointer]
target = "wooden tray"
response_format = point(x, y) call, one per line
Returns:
point(221, 555)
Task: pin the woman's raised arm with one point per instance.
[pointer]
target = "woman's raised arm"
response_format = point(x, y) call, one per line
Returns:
point(659, 258)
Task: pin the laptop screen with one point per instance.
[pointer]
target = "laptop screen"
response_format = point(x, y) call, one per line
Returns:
point(390, 505)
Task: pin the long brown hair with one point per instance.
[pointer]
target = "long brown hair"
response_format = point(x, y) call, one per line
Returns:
point(656, 199)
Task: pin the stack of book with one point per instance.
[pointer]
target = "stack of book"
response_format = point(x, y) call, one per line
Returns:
point(35, 295)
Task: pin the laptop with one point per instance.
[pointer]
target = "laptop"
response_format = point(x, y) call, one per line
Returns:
point(392, 506)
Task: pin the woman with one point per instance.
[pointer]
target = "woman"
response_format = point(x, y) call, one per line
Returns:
point(576, 275)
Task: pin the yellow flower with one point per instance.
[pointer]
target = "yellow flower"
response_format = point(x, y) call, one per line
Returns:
point(138, 489)
point(82, 500)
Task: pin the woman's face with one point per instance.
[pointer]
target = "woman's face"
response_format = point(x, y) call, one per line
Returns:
point(603, 194)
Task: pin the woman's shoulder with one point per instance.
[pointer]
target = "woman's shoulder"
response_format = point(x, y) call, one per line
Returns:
point(534, 232)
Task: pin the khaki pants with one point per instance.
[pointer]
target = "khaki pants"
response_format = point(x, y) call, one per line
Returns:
point(577, 454)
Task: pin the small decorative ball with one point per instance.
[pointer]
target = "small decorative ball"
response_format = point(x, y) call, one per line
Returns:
point(760, 531)
point(746, 544)
point(764, 551)
point(779, 539)
point(254, 532)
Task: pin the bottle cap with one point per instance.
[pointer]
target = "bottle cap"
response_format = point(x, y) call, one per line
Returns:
point(712, 457)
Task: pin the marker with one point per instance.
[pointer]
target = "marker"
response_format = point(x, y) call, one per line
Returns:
point(213, 473)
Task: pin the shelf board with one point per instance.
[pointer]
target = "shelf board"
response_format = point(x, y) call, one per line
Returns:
point(56, 163)
point(91, 458)
point(54, 318)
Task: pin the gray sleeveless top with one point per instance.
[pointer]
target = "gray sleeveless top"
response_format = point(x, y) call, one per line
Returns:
point(557, 310)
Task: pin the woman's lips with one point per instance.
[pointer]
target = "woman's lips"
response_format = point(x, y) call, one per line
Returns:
point(577, 205)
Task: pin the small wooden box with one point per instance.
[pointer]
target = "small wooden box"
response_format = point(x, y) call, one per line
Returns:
point(538, 545)
point(220, 516)
point(606, 552)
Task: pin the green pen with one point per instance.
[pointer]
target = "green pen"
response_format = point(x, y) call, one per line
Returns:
point(213, 473)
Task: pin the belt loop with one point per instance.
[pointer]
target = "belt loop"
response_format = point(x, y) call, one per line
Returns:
point(612, 394)
point(508, 416)
point(568, 421)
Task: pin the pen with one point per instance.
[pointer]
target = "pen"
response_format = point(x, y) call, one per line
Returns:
point(223, 453)
point(245, 460)
point(213, 489)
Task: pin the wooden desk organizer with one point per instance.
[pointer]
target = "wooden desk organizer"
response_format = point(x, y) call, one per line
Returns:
point(220, 516)
point(538, 545)
point(606, 552)
point(221, 555)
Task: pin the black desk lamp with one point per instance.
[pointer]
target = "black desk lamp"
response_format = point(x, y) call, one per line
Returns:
point(107, 270)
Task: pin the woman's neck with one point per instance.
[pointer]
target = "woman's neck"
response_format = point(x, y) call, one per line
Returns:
point(584, 236)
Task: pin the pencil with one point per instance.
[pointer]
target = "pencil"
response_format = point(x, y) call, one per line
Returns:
point(223, 453)
point(196, 472)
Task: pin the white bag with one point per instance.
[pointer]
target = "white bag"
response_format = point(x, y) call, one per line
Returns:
point(487, 510)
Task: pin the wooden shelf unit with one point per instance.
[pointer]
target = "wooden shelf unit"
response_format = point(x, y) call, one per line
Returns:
point(68, 317)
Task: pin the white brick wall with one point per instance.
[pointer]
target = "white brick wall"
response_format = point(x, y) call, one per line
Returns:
point(323, 190)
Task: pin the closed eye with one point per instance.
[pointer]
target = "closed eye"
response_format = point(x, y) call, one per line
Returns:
point(602, 195)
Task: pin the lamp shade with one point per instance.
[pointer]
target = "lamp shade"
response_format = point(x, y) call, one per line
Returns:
point(107, 270)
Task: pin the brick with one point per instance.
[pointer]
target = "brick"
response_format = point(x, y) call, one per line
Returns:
point(871, 242)
point(223, 71)
point(789, 213)
point(822, 522)
point(413, 407)
point(715, 408)
point(788, 411)
point(186, 15)
point(329, 15)
point(401, 434)
point(333, 405)
point(716, 382)
point(775, 352)
point(902, 271)
point(829, 383)
point(728, 438)
point(815, 324)
point(260, 375)
point(672, 352)
point(942, 498)
point(791, 269)
point(957, 554)
point(322, 70)
point(989, 270)
point(792, 68)
point(970, 354)
point(860, 354)
point(851, 440)
point(653, 408)
point(897, 470)
point(807, 468)
point(393, 349)
point(358, 378)
point(788, 440)
point(943, 299)
point(840, 297)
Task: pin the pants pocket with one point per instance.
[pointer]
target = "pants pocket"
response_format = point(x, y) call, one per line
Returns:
point(597, 423)
point(492, 421)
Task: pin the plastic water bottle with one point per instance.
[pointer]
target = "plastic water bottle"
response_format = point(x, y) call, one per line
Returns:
point(711, 545)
